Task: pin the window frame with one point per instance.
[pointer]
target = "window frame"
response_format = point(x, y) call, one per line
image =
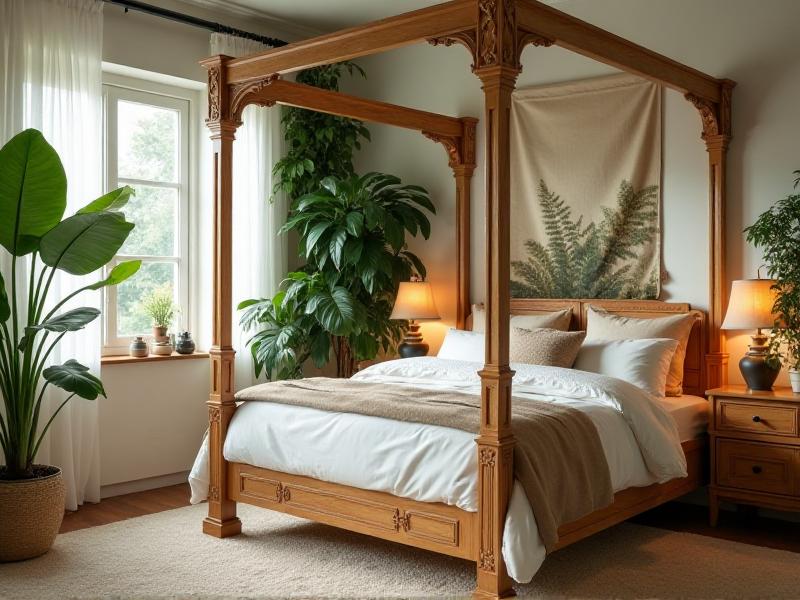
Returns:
point(126, 89)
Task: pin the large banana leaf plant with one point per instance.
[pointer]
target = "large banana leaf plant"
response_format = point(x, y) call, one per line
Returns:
point(33, 199)
point(353, 237)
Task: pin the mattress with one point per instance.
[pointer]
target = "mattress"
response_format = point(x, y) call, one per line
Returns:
point(690, 414)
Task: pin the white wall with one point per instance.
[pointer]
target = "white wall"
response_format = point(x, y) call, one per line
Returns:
point(153, 420)
point(754, 43)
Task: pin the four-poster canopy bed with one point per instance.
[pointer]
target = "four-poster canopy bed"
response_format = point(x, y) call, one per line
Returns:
point(495, 32)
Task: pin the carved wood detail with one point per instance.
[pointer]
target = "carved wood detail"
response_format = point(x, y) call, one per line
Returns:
point(244, 94)
point(214, 91)
point(487, 50)
point(452, 146)
point(467, 39)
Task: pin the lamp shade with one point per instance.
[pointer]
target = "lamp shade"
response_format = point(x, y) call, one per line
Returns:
point(750, 305)
point(414, 301)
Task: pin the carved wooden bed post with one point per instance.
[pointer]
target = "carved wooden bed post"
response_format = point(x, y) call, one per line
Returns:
point(497, 66)
point(221, 520)
point(461, 153)
point(716, 119)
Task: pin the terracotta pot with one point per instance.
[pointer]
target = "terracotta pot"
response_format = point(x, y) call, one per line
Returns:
point(31, 511)
point(160, 334)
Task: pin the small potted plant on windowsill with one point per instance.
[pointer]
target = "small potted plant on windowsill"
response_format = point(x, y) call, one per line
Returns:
point(160, 307)
point(33, 198)
point(775, 233)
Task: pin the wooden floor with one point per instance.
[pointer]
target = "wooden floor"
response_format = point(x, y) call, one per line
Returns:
point(742, 526)
point(128, 506)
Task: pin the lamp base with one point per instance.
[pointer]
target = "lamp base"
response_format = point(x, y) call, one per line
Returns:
point(412, 345)
point(757, 373)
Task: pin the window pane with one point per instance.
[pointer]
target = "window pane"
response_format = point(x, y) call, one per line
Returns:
point(131, 319)
point(154, 212)
point(147, 142)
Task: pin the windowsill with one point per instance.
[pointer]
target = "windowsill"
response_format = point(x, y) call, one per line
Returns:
point(128, 360)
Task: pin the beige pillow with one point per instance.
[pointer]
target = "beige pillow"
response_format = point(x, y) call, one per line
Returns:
point(559, 320)
point(548, 347)
point(602, 325)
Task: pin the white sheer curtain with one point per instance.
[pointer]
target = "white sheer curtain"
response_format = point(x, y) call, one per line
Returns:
point(50, 56)
point(259, 253)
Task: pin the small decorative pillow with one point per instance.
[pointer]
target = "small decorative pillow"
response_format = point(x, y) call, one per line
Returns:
point(548, 347)
point(602, 325)
point(463, 345)
point(559, 320)
point(644, 363)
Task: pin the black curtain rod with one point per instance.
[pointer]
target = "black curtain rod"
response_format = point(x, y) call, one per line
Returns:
point(195, 21)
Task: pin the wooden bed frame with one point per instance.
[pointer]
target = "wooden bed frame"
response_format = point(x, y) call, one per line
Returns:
point(495, 32)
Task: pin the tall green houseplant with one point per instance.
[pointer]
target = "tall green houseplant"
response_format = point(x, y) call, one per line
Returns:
point(319, 145)
point(777, 233)
point(353, 236)
point(33, 198)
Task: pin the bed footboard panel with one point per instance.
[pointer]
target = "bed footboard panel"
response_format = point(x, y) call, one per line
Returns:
point(432, 526)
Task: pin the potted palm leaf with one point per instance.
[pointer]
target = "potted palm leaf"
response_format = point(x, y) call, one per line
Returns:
point(33, 232)
point(776, 233)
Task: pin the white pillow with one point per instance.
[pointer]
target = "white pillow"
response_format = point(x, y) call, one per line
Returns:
point(644, 363)
point(463, 345)
point(559, 319)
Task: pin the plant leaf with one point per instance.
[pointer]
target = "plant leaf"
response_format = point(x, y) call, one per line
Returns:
point(112, 201)
point(119, 273)
point(5, 308)
point(72, 320)
point(73, 377)
point(83, 243)
point(33, 191)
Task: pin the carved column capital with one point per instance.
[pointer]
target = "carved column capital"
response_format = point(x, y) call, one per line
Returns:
point(715, 116)
point(496, 35)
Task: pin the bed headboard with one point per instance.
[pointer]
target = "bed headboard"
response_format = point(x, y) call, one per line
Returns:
point(694, 371)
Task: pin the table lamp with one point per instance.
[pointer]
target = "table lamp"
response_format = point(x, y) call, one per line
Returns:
point(750, 307)
point(414, 302)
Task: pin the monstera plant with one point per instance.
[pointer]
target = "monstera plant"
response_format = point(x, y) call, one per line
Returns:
point(35, 237)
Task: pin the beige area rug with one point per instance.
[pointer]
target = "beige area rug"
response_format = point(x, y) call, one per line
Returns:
point(166, 556)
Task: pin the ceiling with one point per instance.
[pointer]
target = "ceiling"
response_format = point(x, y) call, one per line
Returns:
point(321, 15)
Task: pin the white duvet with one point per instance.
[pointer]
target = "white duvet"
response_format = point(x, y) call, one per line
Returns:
point(438, 464)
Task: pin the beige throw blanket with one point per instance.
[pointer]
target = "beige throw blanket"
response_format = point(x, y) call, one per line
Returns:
point(558, 457)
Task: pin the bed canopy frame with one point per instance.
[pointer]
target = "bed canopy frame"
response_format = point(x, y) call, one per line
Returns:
point(495, 32)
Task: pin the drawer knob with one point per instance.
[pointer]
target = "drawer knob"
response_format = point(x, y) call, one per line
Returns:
point(756, 419)
point(756, 469)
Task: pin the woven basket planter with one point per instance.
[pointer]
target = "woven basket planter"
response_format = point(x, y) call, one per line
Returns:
point(31, 511)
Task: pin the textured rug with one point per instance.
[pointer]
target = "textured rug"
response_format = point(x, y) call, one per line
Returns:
point(166, 556)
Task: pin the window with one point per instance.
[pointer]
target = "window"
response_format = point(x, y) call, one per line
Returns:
point(147, 148)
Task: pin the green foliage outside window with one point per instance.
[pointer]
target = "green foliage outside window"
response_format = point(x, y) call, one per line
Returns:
point(591, 260)
point(149, 153)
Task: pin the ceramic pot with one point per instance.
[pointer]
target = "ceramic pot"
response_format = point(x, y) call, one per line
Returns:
point(794, 379)
point(757, 373)
point(160, 334)
point(138, 348)
point(31, 511)
point(185, 344)
point(162, 348)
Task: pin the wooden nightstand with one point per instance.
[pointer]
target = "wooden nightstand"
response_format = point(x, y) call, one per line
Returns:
point(755, 448)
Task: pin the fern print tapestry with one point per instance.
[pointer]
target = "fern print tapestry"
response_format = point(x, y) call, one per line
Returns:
point(585, 193)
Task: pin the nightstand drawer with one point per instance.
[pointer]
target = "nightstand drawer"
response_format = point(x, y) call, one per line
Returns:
point(757, 467)
point(735, 415)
